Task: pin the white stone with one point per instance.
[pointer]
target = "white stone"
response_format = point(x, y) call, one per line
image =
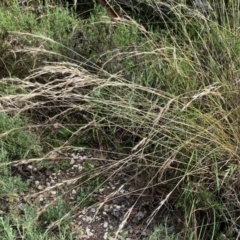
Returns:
point(101, 190)
point(37, 183)
point(93, 210)
point(105, 235)
point(40, 187)
point(30, 167)
point(80, 168)
point(122, 191)
point(105, 224)
point(88, 219)
point(74, 191)
point(88, 232)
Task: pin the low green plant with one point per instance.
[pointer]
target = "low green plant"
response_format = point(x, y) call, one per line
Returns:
point(19, 27)
point(16, 141)
point(84, 197)
point(23, 226)
point(54, 211)
point(163, 232)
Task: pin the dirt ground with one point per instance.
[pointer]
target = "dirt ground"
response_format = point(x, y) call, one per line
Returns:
point(120, 208)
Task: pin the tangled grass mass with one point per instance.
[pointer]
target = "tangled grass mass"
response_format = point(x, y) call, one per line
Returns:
point(124, 129)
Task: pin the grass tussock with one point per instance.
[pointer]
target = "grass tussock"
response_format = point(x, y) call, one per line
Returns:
point(163, 102)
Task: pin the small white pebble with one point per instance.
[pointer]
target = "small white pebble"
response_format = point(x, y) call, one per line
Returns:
point(101, 190)
point(74, 191)
point(40, 187)
point(88, 219)
point(30, 167)
point(53, 192)
point(72, 161)
point(52, 181)
point(93, 210)
point(122, 191)
point(105, 235)
point(105, 224)
point(41, 199)
point(37, 183)
point(80, 168)
point(84, 157)
point(89, 233)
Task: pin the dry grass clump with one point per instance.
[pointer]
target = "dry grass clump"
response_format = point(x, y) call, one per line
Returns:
point(171, 116)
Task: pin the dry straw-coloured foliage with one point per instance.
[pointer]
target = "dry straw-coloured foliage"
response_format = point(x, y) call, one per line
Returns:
point(178, 138)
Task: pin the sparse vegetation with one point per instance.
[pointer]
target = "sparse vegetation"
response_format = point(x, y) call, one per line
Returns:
point(158, 105)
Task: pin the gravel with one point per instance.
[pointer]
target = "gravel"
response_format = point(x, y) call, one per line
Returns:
point(99, 221)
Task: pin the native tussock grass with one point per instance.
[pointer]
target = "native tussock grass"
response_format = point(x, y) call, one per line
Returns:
point(165, 102)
